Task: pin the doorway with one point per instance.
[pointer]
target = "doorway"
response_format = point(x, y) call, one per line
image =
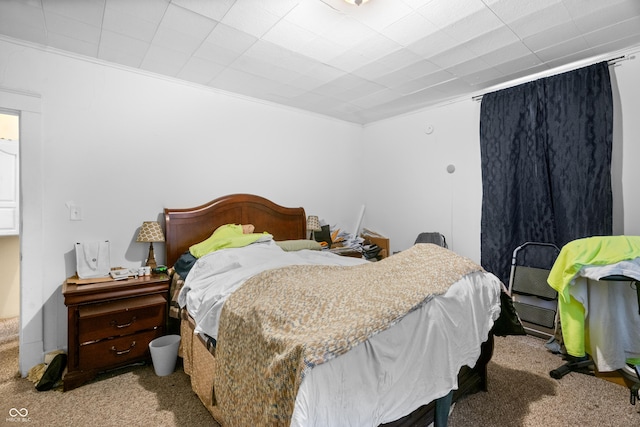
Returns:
point(9, 224)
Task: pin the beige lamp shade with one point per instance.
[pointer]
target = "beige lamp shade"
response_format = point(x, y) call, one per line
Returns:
point(313, 223)
point(150, 232)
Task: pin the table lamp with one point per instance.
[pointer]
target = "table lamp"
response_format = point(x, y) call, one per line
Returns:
point(313, 224)
point(150, 232)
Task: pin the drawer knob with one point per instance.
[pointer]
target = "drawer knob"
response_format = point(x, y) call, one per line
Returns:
point(121, 352)
point(114, 323)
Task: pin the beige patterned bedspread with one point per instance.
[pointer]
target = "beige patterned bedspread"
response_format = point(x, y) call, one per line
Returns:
point(282, 322)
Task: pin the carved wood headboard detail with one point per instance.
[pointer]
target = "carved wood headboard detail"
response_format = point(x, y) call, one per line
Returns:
point(186, 227)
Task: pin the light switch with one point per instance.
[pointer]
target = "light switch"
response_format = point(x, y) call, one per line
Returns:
point(75, 213)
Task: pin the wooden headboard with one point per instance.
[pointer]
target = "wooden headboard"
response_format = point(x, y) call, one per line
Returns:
point(186, 227)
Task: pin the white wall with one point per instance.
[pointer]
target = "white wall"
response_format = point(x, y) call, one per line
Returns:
point(414, 192)
point(123, 145)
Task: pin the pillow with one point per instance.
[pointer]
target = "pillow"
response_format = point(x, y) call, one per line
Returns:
point(298, 245)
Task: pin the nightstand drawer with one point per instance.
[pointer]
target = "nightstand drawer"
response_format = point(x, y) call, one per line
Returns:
point(122, 317)
point(117, 351)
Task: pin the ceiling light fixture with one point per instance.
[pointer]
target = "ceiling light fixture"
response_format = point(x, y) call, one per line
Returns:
point(356, 2)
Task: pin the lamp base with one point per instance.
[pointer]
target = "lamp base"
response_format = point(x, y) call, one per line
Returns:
point(151, 259)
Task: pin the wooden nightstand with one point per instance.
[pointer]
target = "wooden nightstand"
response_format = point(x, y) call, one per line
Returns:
point(110, 324)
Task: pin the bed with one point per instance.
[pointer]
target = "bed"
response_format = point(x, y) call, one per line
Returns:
point(326, 387)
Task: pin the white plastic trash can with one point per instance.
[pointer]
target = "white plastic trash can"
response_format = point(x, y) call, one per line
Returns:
point(164, 353)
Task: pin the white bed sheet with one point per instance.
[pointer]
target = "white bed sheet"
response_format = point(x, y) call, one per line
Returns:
point(415, 361)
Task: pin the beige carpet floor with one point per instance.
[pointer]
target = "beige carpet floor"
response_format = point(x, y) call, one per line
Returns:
point(521, 394)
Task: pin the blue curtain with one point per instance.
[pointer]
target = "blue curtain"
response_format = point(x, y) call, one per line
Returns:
point(546, 163)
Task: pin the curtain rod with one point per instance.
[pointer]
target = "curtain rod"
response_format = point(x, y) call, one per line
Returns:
point(610, 62)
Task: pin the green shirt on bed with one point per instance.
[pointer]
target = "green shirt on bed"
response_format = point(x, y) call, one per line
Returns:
point(226, 236)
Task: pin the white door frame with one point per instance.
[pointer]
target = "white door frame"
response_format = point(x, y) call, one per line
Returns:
point(32, 276)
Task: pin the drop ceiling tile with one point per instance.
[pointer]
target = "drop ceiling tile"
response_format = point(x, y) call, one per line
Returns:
point(279, 8)
point(171, 39)
point(231, 38)
point(492, 41)
point(117, 21)
point(454, 56)
point(377, 46)
point(349, 61)
point(121, 49)
point(454, 88)
point(603, 12)
point(415, 85)
point(471, 26)
point(509, 10)
point(211, 9)
point(268, 52)
point(238, 81)
point(289, 35)
point(482, 77)
point(249, 17)
point(401, 58)
point(409, 29)
point(187, 22)
point(444, 13)
point(562, 49)
point(72, 29)
point(373, 70)
point(551, 36)
point(265, 69)
point(87, 11)
point(541, 20)
point(617, 45)
point(323, 72)
point(315, 16)
point(164, 61)
point(570, 57)
point(507, 53)
point(323, 50)
point(615, 32)
point(392, 80)
point(359, 89)
point(606, 17)
point(471, 66)
point(216, 53)
point(375, 98)
point(22, 20)
point(200, 70)
point(149, 10)
point(433, 44)
point(512, 67)
point(341, 84)
point(347, 32)
point(72, 44)
point(283, 93)
point(420, 68)
point(380, 14)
